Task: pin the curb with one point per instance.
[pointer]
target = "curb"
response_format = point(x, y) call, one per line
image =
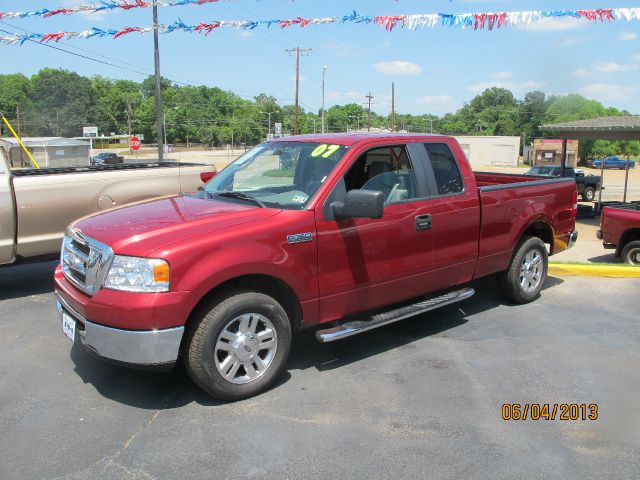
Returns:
point(589, 270)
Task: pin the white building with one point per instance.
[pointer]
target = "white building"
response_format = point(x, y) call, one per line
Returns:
point(482, 150)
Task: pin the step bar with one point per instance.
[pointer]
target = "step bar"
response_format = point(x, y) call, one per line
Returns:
point(363, 324)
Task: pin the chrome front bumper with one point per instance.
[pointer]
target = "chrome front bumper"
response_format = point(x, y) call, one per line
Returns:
point(137, 347)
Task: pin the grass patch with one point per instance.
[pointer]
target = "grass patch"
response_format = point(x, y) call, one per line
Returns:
point(278, 172)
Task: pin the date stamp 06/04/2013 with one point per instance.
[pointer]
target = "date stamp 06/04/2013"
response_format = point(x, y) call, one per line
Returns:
point(550, 411)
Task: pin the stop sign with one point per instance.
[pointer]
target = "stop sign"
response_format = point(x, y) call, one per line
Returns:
point(135, 143)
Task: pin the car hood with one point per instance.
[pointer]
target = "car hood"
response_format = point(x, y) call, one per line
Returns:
point(141, 228)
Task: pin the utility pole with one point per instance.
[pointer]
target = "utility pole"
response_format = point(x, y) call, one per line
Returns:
point(19, 134)
point(269, 113)
point(369, 97)
point(187, 114)
point(324, 71)
point(357, 117)
point(393, 106)
point(129, 114)
point(156, 61)
point(298, 50)
point(164, 126)
point(57, 121)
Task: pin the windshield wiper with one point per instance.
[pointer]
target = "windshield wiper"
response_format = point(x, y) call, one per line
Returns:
point(242, 196)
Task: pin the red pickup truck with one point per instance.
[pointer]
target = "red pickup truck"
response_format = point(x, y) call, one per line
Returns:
point(620, 229)
point(342, 232)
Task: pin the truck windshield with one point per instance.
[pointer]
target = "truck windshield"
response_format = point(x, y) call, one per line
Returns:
point(277, 174)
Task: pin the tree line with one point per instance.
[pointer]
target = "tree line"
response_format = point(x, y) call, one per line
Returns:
point(57, 102)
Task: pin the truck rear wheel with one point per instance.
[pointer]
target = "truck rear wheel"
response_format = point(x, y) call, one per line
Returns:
point(589, 194)
point(631, 253)
point(523, 280)
point(239, 347)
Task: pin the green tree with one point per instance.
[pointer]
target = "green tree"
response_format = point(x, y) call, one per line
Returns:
point(15, 93)
point(64, 102)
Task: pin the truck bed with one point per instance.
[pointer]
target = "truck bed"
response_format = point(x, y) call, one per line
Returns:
point(633, 206)
point(511, 204)
point(25, 172)
point(488, 181)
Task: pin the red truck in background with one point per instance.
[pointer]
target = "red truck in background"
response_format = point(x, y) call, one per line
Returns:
point(343, 232)
point(620, 229)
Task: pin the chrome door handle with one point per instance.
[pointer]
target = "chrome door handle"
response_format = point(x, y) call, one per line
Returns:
point(423, 222)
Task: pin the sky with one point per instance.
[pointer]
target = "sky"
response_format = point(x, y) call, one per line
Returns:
point(435, 70)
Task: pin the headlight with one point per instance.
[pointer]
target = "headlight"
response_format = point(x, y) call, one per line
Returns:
point(136, 274)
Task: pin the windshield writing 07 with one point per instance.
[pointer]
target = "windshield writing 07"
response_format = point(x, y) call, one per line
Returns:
point(277, 174)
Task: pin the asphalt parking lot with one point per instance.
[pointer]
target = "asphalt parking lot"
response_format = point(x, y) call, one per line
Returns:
point(418, 399)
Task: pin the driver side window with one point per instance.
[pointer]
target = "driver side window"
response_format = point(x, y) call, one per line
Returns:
point(387, 169)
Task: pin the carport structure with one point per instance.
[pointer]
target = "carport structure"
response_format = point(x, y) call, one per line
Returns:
point(602, 128)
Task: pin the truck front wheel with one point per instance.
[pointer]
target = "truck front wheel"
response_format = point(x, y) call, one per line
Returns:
point(523, 280)
point(589, 194)
point(631, 253)
point(239, 347)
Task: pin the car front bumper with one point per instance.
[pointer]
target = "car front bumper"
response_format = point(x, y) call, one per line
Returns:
point(149, 348)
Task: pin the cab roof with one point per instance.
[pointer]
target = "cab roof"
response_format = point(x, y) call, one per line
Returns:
point(356, 137)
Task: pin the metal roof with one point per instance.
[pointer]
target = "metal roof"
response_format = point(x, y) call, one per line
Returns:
point(45, 142)
point(625, 127)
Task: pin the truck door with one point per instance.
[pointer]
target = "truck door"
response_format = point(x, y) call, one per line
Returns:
point(7, 214)
point(455, 217)
point(367, 263)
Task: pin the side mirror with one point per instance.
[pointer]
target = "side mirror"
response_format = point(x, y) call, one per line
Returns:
point(206, 176)
point(359, 204)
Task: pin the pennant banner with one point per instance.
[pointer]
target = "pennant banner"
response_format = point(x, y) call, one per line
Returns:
point(474, 21)
point(104, 6)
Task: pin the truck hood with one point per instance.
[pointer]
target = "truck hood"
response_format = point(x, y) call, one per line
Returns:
point(138, 229)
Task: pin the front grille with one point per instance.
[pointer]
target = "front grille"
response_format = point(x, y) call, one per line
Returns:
point(84, 261)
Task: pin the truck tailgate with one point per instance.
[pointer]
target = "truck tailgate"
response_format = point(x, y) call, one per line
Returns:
point(510, 204)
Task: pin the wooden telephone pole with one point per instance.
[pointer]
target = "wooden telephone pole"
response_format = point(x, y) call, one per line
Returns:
point(393, 106)
point(298, 51)
point(156, 64)
point(369, 97)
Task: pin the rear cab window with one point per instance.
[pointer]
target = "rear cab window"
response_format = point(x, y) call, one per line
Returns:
point(446, 173)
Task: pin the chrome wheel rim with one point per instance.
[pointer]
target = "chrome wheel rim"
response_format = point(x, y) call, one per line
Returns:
point(245, 348)
point(633, 257)
point(531, 271)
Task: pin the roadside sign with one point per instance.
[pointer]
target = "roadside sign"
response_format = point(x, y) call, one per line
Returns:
point(135, 143)
point(90, 132)
point(278, 129)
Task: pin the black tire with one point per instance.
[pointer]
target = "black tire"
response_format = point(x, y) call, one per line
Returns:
point(589, 194)
point(509, 281)
point(203, 334)
point(630, 253)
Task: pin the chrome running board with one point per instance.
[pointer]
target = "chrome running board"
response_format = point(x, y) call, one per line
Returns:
point(362, 324)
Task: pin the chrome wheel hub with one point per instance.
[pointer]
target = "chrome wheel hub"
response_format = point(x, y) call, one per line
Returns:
point(531, 271)
point(245, 348)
